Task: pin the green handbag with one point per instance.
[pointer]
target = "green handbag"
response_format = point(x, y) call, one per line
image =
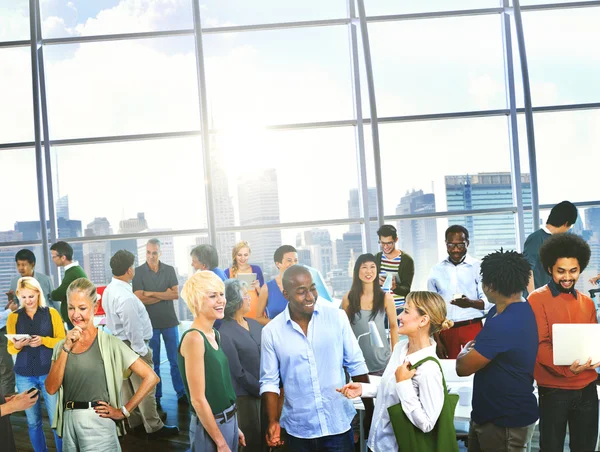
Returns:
point(443, 436)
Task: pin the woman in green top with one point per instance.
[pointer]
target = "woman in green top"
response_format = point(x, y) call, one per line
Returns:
point(88, 369)
point(205, 369)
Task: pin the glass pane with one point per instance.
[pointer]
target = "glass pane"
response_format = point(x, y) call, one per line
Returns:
point(546, 2)
point(385, 7)
point(18, 176)
point(562, 54)
point(431, 157)
point(567, 146)
point(435, 65)
point(217, 13)
point(272, 177)
point(588, 227)
point(124, 87)
point(14, 20)
point(16, 104)
point(64, 18)
point(279, 76)
point(131, 187)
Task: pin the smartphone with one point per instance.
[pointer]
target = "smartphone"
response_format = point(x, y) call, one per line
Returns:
point(33, 393)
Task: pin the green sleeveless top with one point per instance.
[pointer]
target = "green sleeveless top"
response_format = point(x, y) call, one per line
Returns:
point(218, 387)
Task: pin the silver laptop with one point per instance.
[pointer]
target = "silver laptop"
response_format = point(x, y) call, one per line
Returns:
point(575, 341)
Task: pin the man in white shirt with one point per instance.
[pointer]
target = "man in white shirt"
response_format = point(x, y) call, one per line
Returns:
point(457, 279)
point(127, 319)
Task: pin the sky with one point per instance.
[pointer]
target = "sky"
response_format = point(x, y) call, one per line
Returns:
point(262, 78)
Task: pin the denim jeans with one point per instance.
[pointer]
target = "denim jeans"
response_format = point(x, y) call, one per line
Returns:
point(34, 414)
point(578, 408)
point(171, 338)
point(334, 443)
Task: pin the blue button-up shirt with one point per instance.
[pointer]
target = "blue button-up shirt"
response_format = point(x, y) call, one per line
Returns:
point(448, 280)
point(311, 368)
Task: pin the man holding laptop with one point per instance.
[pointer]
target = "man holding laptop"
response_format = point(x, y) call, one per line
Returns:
point(567, 394)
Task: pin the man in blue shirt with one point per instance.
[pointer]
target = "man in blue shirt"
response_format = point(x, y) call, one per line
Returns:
point(502, 356)
point(306, 348)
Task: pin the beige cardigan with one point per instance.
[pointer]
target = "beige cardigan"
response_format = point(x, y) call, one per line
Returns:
point(117, 359)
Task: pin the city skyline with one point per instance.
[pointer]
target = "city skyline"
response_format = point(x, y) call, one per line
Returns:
point(333, 255)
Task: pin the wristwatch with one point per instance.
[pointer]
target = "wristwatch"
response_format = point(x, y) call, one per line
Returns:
point(125, 412)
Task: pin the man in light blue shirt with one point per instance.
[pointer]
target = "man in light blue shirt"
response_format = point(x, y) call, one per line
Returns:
point(305, 348)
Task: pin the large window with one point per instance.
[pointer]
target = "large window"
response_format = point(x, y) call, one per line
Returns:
point(122, 87)
point(16, 105)
point(129, 187)
point(435, 65)
point(284, 86)
point(278, 76)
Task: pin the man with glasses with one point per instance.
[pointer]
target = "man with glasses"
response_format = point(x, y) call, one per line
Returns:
point(62, 256)
point(392, 260)
point(457, 279)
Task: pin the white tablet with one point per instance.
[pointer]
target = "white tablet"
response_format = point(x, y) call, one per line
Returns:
point(575, 341)
point(17, 337)
point(248, 278)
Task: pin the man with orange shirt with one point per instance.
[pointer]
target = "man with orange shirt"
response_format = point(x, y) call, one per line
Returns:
point(567, 394)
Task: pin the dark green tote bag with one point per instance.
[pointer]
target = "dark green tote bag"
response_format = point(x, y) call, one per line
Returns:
point(443, 436)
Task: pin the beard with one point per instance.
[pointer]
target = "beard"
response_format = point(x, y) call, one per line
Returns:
point(561, 289)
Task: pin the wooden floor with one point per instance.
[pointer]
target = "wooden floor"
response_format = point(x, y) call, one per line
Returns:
point(130, 443)
point(137, 443)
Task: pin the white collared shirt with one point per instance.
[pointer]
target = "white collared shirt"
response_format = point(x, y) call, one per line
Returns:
point(422, 397)
point(72, 264)
point(126, 316)
point(448, 279)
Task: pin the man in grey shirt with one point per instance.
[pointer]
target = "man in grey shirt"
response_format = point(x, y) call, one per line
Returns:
point(155, 284)
point(127, 319)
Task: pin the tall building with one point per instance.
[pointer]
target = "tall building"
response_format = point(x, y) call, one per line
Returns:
point(31, 230)
point(100, 226)
point(354, 212)
point(62, 207)
point(130, 226)
point(592, 220)
point(8, 270)
point(318, 242)
point(488, 233)
point(258, 197)
point(223, 206)
point(418, 237)
point(96, 262)
point(96, 255)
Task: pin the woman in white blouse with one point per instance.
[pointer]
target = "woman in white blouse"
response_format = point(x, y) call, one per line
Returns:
point(420, 391)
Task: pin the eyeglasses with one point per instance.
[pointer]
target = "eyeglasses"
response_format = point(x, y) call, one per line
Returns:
point(246, 297)
point(460, 246)
point(386, 243)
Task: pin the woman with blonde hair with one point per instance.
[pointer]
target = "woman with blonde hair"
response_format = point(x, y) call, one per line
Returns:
point(205, 369)
point(240, 255)
point(87, 373)
point(421, 390)
point(34, 354)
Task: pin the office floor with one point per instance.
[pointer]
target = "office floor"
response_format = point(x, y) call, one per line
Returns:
point(138, 443)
